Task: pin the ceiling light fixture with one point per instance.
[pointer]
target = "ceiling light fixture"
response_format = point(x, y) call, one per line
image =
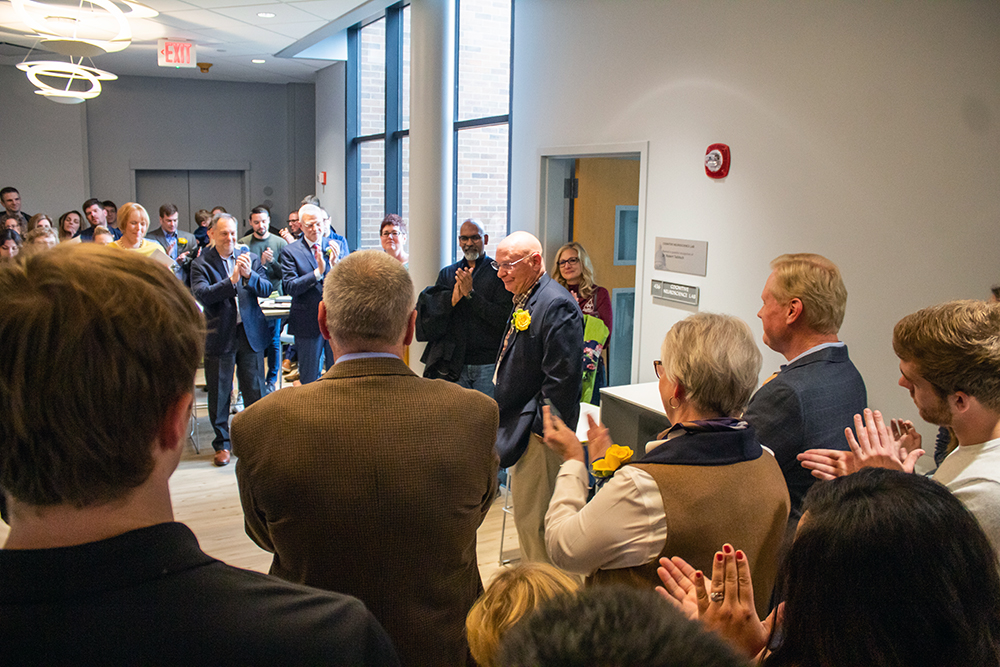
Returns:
point(266, 15)
point(71, 72)
point(79, 31)
point(258, 61)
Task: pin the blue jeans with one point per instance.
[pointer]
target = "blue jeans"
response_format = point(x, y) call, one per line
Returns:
point(272, 353)
point(478, 377)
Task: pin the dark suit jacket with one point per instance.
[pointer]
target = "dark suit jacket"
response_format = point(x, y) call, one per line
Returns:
point(470, 332)
point(189, 245)
point(546, 361)
point(375, 487)
point(211, 285)
point(299, 282)
point(807, 406)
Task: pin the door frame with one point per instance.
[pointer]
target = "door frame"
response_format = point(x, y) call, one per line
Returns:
point(553, 210)
point(242, 166)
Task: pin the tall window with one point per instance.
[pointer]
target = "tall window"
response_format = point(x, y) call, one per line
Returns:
point(378, 99)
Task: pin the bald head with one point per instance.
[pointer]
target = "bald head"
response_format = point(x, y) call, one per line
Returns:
point(521, 243)
point(520, 259)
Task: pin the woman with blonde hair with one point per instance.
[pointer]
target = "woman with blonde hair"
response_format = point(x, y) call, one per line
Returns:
point(134, 221)
point(704, 481)
point(573, 270)
point(514, 593)
point(39, 220)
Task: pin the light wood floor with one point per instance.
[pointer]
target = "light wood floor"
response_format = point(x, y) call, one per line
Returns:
point(206, 498)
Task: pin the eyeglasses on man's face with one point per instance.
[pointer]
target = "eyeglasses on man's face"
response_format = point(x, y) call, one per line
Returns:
point(569, 261)
point(507, 266)
point(475, 238)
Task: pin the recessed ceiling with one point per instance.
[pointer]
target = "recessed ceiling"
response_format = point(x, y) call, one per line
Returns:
point(227, 33)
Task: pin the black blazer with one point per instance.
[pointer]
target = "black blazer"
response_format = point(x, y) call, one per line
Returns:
point(212, 287)
point(545, 361)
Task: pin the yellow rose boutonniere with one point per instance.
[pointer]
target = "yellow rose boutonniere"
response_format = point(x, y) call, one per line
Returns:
point(614, 458)
point(182, 241)
point(522, 319)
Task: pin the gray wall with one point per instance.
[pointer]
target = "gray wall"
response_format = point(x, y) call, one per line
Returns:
point(44, 147)
point(862, 131)
point(64, 154)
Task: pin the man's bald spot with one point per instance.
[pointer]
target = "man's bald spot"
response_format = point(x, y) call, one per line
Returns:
point(521, 243)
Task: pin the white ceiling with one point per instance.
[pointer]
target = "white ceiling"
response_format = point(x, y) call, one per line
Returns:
point(228, 33)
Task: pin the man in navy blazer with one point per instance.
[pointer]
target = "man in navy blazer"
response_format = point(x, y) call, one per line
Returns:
point(809, 402)
point(541, 358)
point(227, 279)
point(304, 265)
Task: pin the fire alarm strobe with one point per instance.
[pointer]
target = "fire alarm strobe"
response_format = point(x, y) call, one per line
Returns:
point(717, 161)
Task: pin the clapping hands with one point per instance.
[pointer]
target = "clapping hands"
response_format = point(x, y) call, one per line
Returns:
point(873, 447)
point(726, 606)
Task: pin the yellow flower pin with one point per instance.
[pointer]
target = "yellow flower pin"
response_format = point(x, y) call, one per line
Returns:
point(522, 319)
point(182, 241)
point(614, 458)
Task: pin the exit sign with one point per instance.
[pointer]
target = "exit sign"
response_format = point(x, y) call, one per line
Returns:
point(175, 54)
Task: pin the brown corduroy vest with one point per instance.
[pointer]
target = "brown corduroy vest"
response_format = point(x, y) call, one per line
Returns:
point(745, 504)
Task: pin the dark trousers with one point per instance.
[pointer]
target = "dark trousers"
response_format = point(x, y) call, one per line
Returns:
point(249, 366)
point(272, 354)
point(311, 351)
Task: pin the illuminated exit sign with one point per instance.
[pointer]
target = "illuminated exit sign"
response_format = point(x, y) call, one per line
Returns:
point(175, 54)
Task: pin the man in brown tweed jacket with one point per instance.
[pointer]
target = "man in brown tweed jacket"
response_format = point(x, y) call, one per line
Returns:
point(372, 481)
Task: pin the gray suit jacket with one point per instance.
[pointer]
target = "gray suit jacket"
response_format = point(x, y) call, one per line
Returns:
point(807, 405)
point(186, 243)
point(373, 481)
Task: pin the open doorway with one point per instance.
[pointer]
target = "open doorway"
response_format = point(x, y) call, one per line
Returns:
point(597, 198)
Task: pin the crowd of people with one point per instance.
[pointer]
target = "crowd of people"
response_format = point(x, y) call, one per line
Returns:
point(783, 524)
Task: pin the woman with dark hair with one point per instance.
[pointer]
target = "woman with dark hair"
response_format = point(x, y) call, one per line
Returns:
point(69, 226)
point(887, 569)
point(10, 244)
point(392, 234)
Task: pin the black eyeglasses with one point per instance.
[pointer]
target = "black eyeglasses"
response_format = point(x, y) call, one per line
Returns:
point(475, 238)
point(570, 261)
point(658, 368)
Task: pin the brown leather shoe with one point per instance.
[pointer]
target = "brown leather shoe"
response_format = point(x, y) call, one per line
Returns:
point(286, 366)
point(221, 458)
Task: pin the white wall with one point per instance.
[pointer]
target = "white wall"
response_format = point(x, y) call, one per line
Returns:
point(44, 147)
point(331, 112)
point(867, 132)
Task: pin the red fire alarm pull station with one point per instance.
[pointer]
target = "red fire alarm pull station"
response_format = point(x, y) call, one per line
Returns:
point(322, 177)
point(717, 161)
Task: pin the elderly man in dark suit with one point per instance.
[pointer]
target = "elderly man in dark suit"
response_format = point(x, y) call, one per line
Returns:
point(540, 360)
point(304, 265)
point(401, 470)
point(180, 246)
point(227, 280)
point(809, 402)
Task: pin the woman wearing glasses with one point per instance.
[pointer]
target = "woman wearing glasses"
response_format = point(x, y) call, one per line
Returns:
point(393, 237)
point(701, 483)
point(574, 271)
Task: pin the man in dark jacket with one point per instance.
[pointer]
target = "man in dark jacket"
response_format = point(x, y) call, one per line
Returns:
point(463, 316)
